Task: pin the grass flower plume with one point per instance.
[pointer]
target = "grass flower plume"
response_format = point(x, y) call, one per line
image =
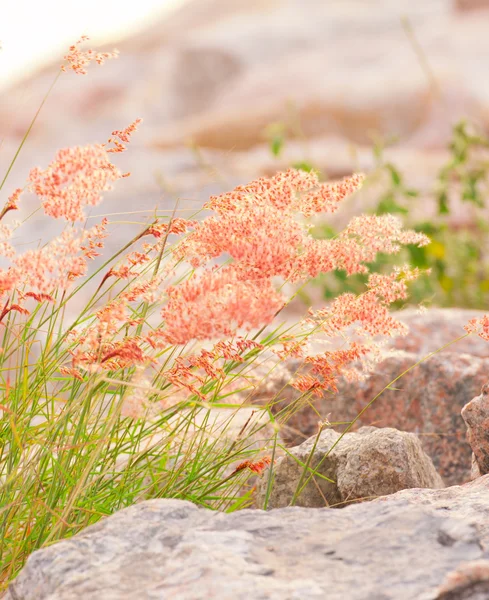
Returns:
point(143, 393)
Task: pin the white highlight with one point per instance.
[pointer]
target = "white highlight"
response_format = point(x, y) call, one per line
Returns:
point(35, 32)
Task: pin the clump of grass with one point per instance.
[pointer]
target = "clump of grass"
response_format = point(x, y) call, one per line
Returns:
point(148, 390)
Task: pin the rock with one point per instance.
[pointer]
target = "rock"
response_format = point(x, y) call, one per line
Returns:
point(439, 330)
point(333, 157)
point(327, 111)
point(432, 329)
point(476, 416)
point(199, 73)
point(364, 465)
point(279, 79)
point(401, 547)
point(241, 428)
point(470, 581)
point(427, 401)
point(464, 5)
point(221, 81)
point(220, 72)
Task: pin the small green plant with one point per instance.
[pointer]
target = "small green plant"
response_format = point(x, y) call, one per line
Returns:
point(458, 255)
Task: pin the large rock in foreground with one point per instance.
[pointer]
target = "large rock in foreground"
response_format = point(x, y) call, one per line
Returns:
point(359, 466)
point(414, 545)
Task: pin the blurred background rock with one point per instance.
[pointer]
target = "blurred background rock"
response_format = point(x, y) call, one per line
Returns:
point(233, 90)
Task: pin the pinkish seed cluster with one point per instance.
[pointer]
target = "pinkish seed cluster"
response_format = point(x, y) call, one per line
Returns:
point(77, 60)
point(256, 239)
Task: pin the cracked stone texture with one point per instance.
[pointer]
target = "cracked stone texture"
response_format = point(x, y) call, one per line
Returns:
point(476, 416)
point(417, 544)
point(362, 466)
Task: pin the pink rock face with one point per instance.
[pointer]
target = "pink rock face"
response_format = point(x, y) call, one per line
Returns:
point(427, 400)
point(476, 417)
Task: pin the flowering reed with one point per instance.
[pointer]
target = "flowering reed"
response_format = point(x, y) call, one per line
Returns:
point(136, 397)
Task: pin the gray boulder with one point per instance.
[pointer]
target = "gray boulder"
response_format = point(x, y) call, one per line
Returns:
point(414, 545)
point(361, 466)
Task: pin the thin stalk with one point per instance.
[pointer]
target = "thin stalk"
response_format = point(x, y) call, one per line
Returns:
point(26, 135)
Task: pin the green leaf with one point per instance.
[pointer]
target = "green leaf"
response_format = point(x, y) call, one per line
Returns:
point(470, 190)
point(388, 204)
point(303, 166)
point(395, 175)
point(418, 256)
point(275, 133)
point(443, 208)
point(276, 145)
point(340, 275)
point(378, 152)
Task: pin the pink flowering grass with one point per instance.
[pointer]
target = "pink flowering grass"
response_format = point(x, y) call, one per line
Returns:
point(148, 391)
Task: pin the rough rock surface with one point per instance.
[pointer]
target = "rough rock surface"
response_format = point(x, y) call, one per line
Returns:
point(427, 401)
point(476, 416)
point(364, 465)
point(415, 545)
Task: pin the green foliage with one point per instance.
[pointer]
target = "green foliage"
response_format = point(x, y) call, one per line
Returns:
point(304, 166)
point(468, 166)
point(458, 257)
point(69, 456)
point(275, 135)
